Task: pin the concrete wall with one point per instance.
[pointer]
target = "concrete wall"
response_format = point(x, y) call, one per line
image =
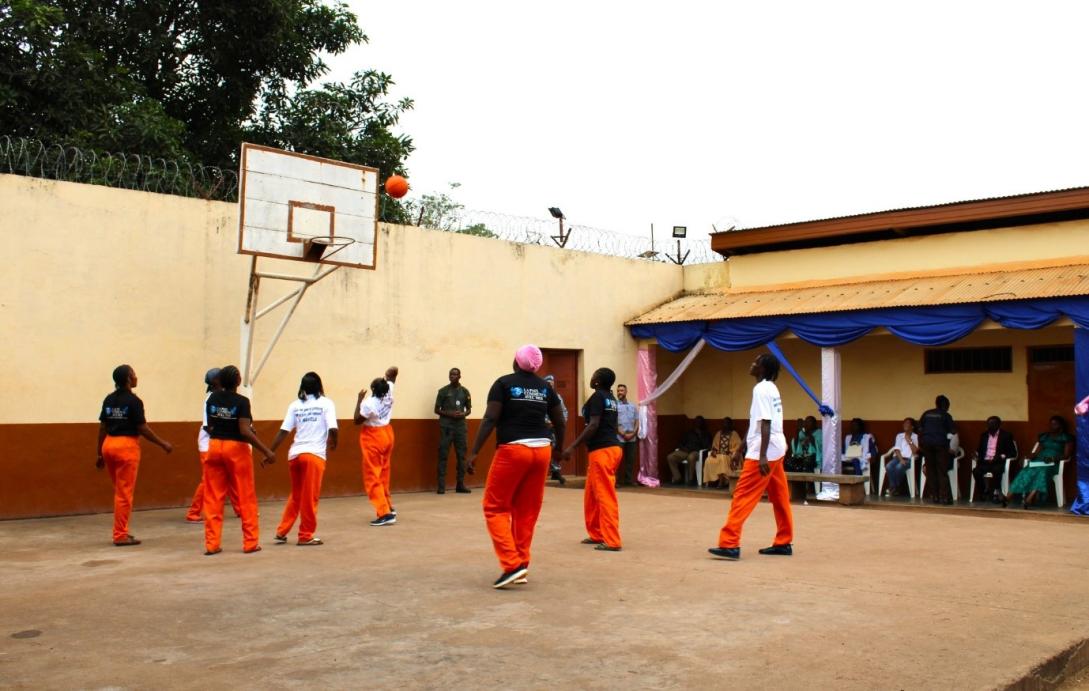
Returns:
point(1047, 243)
point(101, 276)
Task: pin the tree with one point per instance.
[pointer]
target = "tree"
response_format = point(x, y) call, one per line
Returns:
point(192, 79)
point(478, 229)
point(442, 212)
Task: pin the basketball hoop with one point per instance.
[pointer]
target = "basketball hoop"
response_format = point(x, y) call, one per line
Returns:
point(320, 248)
point(304, 208)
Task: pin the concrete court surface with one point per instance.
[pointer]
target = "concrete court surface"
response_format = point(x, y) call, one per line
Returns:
point(871, 600)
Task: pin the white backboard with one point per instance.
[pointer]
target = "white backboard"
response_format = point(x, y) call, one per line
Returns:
point(285, 199)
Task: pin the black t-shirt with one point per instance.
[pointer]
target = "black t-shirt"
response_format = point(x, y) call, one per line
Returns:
point(224, 410)
point(123, 413)
point(526, 400)
point(934, 426)
point(604, 404)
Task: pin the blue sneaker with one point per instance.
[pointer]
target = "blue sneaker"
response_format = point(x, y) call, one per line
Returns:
point(388, 519)
point(510, 577)
point(782, 550)
point(730, 553)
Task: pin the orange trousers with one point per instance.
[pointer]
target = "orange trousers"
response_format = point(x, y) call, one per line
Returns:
point(750, 487)
point(122, 457)
point(599, 503)
point(513, 494)
point(229, 464)
point(306, 472)
point(376, 443)
point(194, 513)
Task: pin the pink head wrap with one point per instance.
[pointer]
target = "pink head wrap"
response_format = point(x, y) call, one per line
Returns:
point(528, 358)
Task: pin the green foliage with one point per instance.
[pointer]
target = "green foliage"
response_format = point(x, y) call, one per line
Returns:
point(442, 212)
point(193, 79)
point(437, 211)
point(478, 229)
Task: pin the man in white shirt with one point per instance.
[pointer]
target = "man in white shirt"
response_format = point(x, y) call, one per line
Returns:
point(763, 469)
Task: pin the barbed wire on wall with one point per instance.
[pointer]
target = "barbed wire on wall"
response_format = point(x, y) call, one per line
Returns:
point(31, 157)
point(530, 230)
point(34, 158)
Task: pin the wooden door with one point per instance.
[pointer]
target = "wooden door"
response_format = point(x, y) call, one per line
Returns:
point(1051, 392)
point(564, 365)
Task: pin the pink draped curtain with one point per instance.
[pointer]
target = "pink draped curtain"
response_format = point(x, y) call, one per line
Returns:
point(647, 374)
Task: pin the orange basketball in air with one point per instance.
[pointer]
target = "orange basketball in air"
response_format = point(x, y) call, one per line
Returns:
point(396, 186)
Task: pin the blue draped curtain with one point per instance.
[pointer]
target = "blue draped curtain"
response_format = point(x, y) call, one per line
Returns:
point(925, 326)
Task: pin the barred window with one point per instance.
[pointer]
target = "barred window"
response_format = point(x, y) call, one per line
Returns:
point(962, 360)
point(1046, 355)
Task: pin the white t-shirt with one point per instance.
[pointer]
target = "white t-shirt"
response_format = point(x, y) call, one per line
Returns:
point(311, 419)
point(377, 411)
point(202, 435)
point(766, 405)
point(904, 447)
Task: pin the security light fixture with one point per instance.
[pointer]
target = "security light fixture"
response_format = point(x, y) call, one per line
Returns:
point(680, 231)
point(561, 239)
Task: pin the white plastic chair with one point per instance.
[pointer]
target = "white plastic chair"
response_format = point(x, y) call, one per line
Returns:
point(699, 467)
point(1060, 498)
point(954, 475)
point(885, 457)
point(1060, 492)
point(1005, 475)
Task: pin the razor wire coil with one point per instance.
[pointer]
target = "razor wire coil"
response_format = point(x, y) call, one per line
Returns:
point(34, 158)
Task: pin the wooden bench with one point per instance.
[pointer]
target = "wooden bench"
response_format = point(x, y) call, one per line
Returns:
point(852, 489)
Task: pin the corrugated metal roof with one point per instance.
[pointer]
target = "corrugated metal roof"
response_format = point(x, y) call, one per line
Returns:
point(910, 292)
point(939, 205)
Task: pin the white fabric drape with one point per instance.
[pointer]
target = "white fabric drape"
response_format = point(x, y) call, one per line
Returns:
point(673, 376)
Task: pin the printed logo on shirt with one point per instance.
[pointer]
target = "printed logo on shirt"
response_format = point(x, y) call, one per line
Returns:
point(531, 395)
point(312, 414)
point(610, 405)
point(117, 413)
point(385, 406)
point(223, 412)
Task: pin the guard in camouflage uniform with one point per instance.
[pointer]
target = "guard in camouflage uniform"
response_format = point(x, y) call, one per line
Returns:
point(453, 404)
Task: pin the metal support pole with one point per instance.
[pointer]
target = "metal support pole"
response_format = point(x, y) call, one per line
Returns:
point(295, 297)
point(831, 395)
point(249, 324)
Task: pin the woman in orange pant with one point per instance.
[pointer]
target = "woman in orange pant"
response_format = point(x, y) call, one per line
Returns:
point(600, 507)
point(373, 414)
point(763, 468)
point(121, 424)
point(518, 404)
point(313, 418)
point(230, 462)
point(211, 381)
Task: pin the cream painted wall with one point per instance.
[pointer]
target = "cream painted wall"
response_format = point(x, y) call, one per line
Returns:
point(101, 276)
point(706, 277)
point(1043, 242)
point(883, 379)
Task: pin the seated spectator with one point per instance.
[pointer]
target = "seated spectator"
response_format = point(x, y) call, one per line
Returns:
point(806, 447)
point(859, 448)
point(995, 446)
point(1034, 480)
point(904, 449)
point(725, 454)
point(694, 441)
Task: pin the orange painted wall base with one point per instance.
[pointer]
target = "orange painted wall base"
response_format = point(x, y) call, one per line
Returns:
point(48, 469)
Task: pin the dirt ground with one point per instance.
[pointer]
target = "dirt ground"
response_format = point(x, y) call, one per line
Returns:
point(871, 599)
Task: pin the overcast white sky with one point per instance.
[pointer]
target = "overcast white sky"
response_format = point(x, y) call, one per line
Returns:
point(691, 113)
